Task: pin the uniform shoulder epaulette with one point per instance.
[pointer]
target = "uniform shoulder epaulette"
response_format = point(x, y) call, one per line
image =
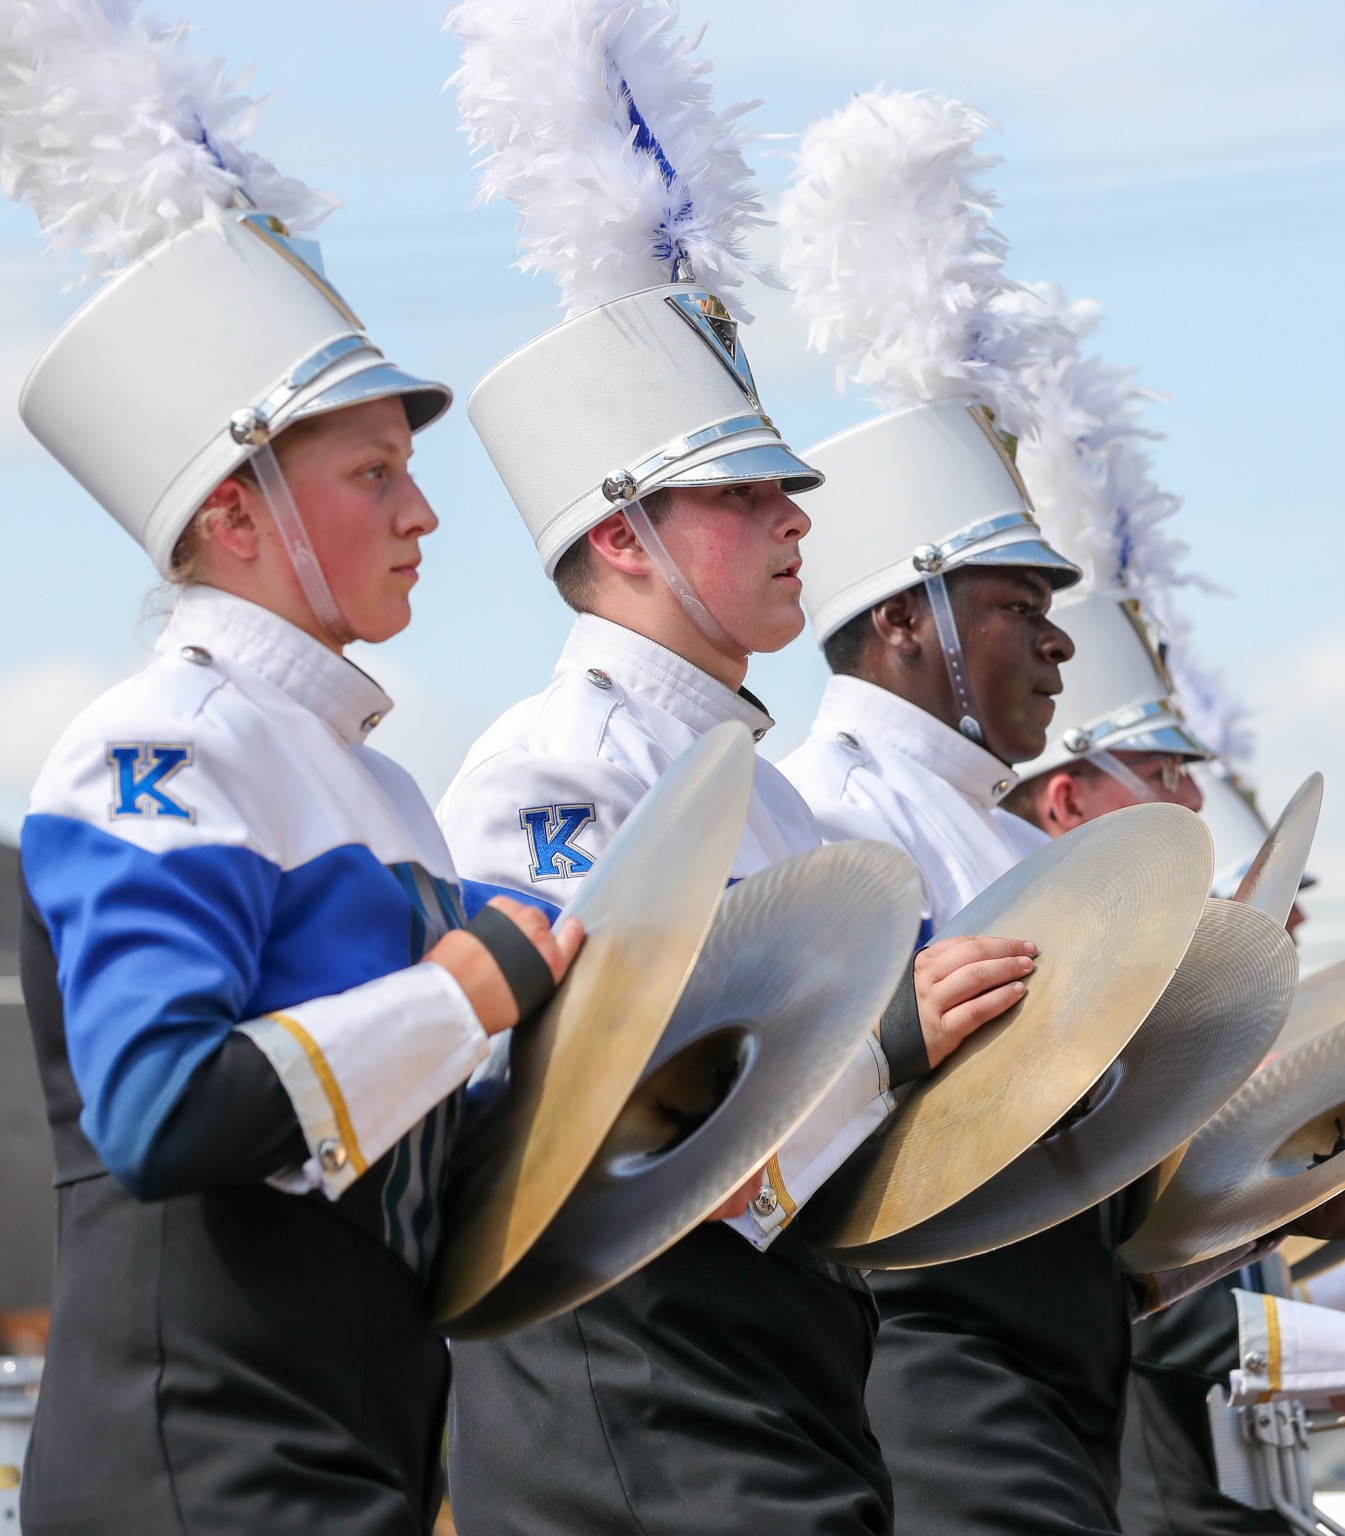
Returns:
point(575, 715)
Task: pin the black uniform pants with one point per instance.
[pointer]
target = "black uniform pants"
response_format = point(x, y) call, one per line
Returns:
point(998, 1388)
point(239, 1363)
point(718, 1392)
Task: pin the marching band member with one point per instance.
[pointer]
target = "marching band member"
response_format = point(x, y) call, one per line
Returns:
point(720, 1389)
point(250, 986)
point(998, 1384)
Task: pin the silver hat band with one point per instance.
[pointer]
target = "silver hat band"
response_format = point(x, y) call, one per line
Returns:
point(252, 425)
point(1136, 720)
point(930, 559)
point(624, 484)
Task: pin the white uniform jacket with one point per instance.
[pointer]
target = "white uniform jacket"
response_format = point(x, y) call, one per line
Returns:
point(875, 765)
point(212, 847)
point(543, 791)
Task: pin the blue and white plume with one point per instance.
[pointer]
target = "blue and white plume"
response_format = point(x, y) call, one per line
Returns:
point(117, 135)
point(1092, 481)
point(595, 120)
point(890, 248)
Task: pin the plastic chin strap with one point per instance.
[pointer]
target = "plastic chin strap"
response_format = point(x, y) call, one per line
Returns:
point(271, 478)
point(677, 584)
point(1127, 777)
point(941, 607)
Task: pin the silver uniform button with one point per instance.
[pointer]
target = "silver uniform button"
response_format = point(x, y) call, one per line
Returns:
point(847, 740)
point(1254, 1362)
point(599, 678)
point(765, 1201)
point(370, 721)
point(1002, 787)
point(332, 1155)
point(759, 734)
point(197, 655)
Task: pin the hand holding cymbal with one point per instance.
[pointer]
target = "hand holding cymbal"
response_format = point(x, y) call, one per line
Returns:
point(800, 960)
point(1197, 1046)
point(966, 981)
point(1112, 906)
point(553, 1088)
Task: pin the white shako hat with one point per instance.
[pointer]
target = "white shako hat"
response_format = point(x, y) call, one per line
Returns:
point(1229, 805)
point(625, 178)
point(1117, 693)
point(219, 329)
point(1239, 830)
point(888, 246)
point(1236, 825)
point(1092, 482)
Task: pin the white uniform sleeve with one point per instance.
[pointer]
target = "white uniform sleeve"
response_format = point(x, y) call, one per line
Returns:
point(1287, 1350)
point(354, 1097)
point(532, 825)
point(856, 1105)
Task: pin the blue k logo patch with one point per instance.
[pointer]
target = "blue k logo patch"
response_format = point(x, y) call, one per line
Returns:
point(140, 769)
point(551, 832)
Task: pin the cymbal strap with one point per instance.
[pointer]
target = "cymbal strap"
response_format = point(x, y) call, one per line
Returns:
point(900, 1034)
point(527, 975)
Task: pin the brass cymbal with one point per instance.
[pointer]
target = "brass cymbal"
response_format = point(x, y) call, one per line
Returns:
point(1318, 1004)
point(1265, 1158)
point(557, 1083)
point(1112, 907)
point(1207, 1033)
point(1272, 881)
point(800, 962)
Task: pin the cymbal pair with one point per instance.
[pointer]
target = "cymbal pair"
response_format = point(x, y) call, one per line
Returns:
point(696, 1029)
point(1151, 1006)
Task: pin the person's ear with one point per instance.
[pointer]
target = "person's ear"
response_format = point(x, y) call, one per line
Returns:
point(232, 523)
point(613, 543)
point(896, 621)
point(1062, 803)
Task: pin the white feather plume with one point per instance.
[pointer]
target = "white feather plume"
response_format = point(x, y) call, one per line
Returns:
point(595, 121)
point(117, 136)
point(1220, 722)
point(889, 246)
point(1089, 469)
point(1092, 482)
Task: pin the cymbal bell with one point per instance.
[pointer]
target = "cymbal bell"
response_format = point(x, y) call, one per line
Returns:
point(1272, 881)
point(1112, 907)
point(555, 1085)
point(1318, 1004)
point(1269, 1155)
point(800, 962)
point(1206, 1034)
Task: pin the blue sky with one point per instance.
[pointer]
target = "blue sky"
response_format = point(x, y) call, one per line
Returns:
point(1183, 163)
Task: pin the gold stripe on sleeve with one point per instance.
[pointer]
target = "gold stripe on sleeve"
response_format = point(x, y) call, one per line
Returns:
point(330, 1087)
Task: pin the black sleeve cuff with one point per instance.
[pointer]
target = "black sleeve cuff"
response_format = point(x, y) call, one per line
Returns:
point(234, 1125)
point(527, 974)
point(901, 1037)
